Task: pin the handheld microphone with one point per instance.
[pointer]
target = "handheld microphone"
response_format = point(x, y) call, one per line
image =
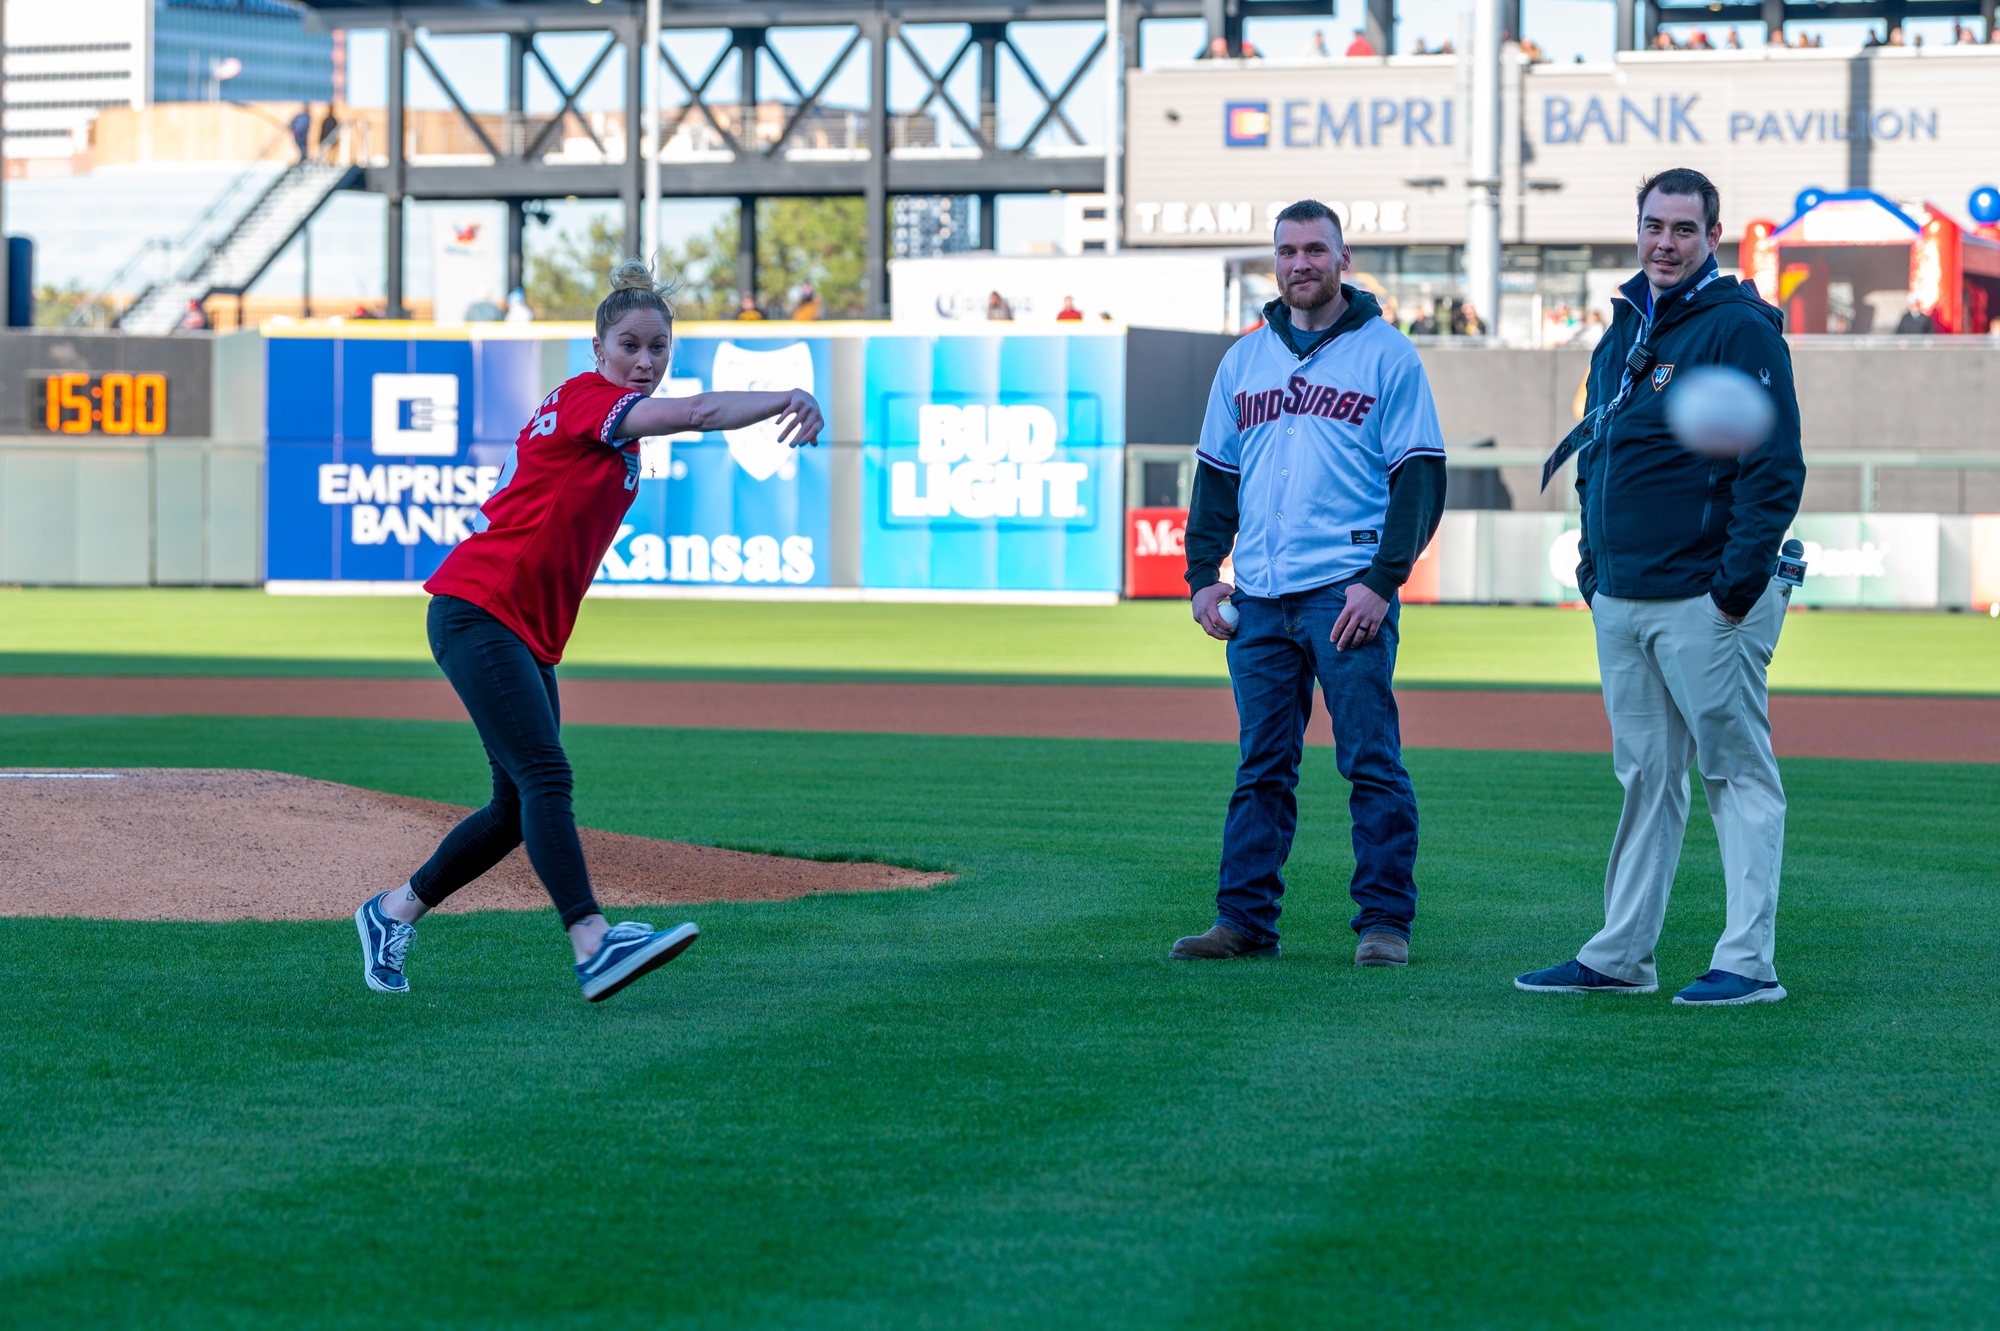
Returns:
point(1792, 563)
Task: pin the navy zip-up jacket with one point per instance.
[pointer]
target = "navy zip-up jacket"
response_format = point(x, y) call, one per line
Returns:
point(1660, 522)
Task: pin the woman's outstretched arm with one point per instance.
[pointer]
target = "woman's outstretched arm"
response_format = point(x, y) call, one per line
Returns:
point(799, 416)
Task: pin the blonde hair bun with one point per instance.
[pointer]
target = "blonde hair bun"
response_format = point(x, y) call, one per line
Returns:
point(633, 287)
point(634, 275)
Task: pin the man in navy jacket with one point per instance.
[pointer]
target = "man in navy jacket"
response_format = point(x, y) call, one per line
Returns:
point(1676, 561)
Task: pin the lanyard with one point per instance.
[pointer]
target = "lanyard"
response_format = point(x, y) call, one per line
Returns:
point(1638, 362)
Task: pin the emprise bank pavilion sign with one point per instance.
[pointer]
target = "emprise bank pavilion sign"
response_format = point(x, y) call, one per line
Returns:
point(1216, 148)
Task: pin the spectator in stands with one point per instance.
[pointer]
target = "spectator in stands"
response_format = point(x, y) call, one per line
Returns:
point(361, 312)
point(302, 128)
point(517, 308)
point(1319, 45)
point(1896, 35)
point(997, 308)
point(1915, 322)
point(195, 319)
point(1734, 41)
point(329, 130)
point(808, 308)
point(1590, 332)
point(1700, 42)
point(1218, 49)
point(1360, 46)
point(1069, 313)
point(746, 307)
point(1465, 321)
point(1871, 40)
point(1425, 324)
point(1662, 42)
point(1391, 313)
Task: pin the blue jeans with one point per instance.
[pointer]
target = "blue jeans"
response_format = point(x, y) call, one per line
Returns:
point(512, 700)
point(1281, 646)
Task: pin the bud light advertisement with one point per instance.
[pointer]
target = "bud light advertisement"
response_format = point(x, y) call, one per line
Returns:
point(994, 463)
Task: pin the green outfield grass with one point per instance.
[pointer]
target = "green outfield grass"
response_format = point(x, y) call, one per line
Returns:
point(996, 1103)
point(248, 632)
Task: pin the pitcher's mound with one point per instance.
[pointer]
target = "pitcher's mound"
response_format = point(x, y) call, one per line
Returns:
point(191, 844)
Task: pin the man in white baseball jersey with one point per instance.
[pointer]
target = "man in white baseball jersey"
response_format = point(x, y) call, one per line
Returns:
point(1321, 459)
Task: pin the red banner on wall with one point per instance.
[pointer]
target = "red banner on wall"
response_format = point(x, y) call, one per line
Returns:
point(1155, 552)
point(1156, 558)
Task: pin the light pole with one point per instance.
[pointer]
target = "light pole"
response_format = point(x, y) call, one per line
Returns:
point(651, 222)
point(1113, 117)
point(1482, 222)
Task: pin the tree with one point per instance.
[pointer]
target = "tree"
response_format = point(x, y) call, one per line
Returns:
point(53, 306)
point(569, 280)
point(821, 241)
point(801, 240)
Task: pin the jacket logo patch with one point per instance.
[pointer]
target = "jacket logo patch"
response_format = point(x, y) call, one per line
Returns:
point(1661, 373)
point(1366, 536)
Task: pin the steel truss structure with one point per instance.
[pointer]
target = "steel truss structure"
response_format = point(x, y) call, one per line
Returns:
point(751, 164)
point(881, 159)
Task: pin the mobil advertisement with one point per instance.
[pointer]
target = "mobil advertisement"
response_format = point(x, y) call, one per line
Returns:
point(383, 445)
point(993, 463)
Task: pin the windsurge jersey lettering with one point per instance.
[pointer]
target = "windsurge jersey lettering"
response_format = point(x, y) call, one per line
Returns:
point(1313, 442)
point(1301, 398)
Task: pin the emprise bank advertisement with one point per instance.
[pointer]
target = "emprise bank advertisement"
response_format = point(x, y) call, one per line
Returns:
point(980, 463)
point(384, 445)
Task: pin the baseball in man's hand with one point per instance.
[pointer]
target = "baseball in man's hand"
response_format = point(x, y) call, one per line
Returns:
point(1213, 611)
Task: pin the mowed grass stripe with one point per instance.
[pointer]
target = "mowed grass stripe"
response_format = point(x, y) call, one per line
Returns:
point(995, 1103)
point(229, 632)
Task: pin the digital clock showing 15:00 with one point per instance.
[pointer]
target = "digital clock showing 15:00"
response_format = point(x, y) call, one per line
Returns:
point(117, 403)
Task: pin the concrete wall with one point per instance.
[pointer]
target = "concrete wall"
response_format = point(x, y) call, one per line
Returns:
point(184, 508)
point(97, 513)
point(1943, 397)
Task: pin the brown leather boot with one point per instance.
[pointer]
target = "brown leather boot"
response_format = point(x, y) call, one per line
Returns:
point(1220, 944)
point(1379, 947)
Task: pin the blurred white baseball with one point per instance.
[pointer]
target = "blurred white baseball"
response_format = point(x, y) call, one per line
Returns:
point(1227, 613)
point(1719, 412)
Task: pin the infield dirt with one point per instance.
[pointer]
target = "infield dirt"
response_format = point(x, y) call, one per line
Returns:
point(195, 844)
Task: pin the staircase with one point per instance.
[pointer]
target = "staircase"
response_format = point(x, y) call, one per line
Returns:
point(242, 253)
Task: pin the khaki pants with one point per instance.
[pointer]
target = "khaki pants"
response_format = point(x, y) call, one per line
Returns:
point(1681, 684)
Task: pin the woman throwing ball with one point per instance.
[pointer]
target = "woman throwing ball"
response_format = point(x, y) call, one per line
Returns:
point(503, 604)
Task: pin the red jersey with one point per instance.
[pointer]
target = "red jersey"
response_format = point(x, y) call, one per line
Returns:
point(540, 537)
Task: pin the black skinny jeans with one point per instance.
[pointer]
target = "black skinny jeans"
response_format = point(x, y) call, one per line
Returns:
point(512, 699)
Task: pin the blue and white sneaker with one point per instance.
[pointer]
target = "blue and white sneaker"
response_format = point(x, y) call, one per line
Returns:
point(384, 944)
point(1573, 977)
point(630, 950)
point(1728, 989)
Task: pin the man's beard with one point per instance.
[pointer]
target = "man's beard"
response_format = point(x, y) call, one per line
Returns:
point(1315, 297)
